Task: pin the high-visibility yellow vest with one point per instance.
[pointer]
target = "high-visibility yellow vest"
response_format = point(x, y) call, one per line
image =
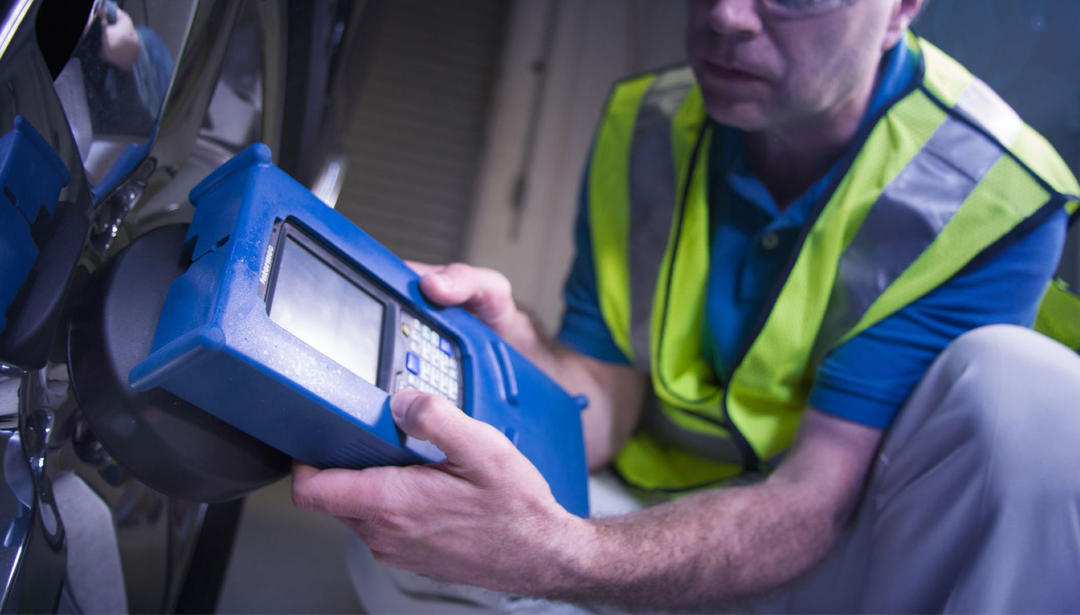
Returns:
point(944, 173)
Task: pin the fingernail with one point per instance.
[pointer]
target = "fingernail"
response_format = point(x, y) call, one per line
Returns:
point(401, 402)
point(443, 280)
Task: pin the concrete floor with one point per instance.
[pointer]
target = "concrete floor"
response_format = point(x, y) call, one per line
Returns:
point(286, 560)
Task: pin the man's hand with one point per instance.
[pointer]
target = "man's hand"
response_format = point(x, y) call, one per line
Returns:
point(485, 293)
point(614, 391)
point(119, 41)
point(485, 516)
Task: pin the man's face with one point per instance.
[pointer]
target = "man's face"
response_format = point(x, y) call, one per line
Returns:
point(764, 64)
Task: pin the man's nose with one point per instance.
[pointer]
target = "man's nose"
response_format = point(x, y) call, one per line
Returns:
point(735, 17)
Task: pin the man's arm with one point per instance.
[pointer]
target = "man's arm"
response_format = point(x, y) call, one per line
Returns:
point(726, 544)
point(615, 392)
point(486, 517)
point(119, 40)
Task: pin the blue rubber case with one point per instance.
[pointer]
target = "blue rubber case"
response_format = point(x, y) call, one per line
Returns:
point(31, 175)
point(216, 346)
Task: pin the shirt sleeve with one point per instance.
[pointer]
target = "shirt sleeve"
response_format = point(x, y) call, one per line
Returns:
point(583, 328)
point(868, 378)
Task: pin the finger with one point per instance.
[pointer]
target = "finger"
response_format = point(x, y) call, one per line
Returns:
point(484, 292)
point(302, 470)
point(338, 492)
point(467, 443)
point(423, 268)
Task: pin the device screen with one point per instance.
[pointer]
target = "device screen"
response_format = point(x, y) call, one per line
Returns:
point(317, 304)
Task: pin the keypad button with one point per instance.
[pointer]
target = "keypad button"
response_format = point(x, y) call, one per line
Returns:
point(412, 362)
point(430, 363)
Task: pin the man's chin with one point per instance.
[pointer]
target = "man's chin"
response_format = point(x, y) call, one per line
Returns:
point(744, 116)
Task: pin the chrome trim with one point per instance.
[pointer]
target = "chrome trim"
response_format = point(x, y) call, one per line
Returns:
point(330, 180)
point(18, 496)
point(113, 210)
point(9, 401)
point(196, 76)
point(11, 25)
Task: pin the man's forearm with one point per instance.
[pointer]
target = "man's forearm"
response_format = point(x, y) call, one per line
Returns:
point(699, 552)
point(722, 545)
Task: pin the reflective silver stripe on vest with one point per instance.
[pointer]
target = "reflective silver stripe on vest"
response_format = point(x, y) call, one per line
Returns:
point(993, 113)
point(706, 446)
point(907, 216)
point(652, 199)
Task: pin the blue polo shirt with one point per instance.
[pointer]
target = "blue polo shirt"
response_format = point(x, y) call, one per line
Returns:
point(868, 378)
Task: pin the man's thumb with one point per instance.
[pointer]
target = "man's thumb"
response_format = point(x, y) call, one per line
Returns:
point(435, 419)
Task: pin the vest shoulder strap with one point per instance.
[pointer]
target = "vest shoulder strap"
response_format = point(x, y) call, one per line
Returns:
point(634, 214)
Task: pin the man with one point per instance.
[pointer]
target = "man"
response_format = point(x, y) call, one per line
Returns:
point(772, 255)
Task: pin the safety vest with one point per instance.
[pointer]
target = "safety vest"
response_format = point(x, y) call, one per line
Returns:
point(943, 174)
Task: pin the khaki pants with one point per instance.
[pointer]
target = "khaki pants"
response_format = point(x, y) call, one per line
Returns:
point(973, 504)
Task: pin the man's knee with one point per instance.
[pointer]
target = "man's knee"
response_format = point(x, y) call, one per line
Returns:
point(1018, 398)
point(1001, 364)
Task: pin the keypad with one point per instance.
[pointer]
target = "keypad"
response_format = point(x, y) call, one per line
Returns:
point(429, 363)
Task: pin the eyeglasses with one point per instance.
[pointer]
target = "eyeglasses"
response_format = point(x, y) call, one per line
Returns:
point(797, 9)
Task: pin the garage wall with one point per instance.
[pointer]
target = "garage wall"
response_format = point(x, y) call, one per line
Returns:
point(419, 125)
point(558, 65)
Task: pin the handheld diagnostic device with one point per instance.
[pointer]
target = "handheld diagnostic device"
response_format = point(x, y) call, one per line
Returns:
point(293, 325)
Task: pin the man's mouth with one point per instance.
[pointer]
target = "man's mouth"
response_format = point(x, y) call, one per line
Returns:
point(726, 71)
